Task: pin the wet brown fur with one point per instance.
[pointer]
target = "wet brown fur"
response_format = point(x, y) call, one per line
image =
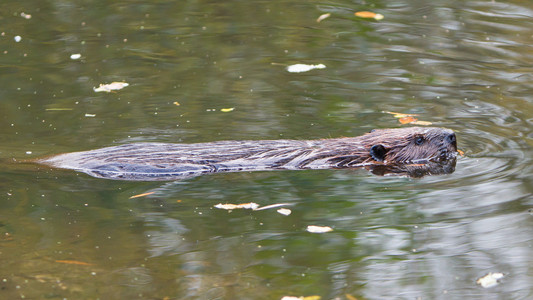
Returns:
point(161, 161)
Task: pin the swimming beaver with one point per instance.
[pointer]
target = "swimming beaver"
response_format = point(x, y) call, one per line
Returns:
point(161, 161)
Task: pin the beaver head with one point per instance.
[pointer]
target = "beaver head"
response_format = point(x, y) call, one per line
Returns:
point(411, 145)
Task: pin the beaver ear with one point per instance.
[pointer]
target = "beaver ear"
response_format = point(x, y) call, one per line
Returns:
point(378, 152)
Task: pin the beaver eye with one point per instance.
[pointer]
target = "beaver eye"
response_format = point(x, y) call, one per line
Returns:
point(419, 140)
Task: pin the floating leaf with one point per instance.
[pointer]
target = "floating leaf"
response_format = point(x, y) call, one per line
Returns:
point(399, 115)
point(319, 229)
point(75, 56)
point(422, 123)
point(113, 86)
point(90, 115)
point(228, 206)
point(323, 17)
point(350, 297)
point(74, 262)
point(284, 211)
point(251, 205)
point(490, 280)
point(272, 206)
point(407, 120)
point(141, 195)
point(299, 68)
point(227, 109)
point(460, 152)
point(176, 103)
point(369, 15)
point(301, 298)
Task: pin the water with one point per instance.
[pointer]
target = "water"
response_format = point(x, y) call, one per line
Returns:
point(463, 65)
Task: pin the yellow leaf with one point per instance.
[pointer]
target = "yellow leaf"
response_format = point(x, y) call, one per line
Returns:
point(369, 15)
point(422, 123)
point(322, 17)
point(301, 298)
point(141, 195)
point(227, 109)
point(176, 103)
point(350, 297)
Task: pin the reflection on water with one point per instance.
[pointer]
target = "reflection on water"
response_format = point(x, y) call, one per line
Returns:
point(463, 65)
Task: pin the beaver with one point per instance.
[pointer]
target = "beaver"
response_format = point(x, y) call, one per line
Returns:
point(411, 146)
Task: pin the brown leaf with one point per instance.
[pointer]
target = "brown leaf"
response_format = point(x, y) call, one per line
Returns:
point(74, 262)
point(407, 120)
point(399, 115)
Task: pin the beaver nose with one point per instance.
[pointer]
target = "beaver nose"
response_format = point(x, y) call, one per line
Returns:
point(451, 139)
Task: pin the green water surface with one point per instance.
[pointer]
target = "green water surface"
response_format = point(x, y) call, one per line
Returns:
point(465, 65)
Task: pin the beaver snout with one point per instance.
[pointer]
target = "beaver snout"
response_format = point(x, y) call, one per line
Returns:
point(452, 140)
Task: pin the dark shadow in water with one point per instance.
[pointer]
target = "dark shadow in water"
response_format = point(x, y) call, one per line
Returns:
point(415, 170)
point(407, 170)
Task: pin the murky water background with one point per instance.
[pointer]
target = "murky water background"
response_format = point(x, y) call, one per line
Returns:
point(465, 65)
